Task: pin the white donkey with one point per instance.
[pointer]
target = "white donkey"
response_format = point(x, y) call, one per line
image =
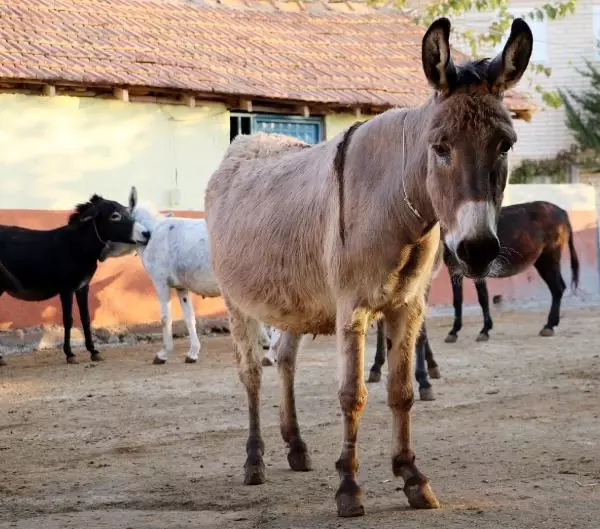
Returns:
point(176, 257)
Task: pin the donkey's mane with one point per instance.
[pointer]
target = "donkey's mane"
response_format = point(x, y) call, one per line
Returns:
point(338, 168)
point(84, 208)
point(472, 72)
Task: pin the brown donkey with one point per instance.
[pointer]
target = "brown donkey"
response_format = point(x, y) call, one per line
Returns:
point(320, 239)
point(532, 233)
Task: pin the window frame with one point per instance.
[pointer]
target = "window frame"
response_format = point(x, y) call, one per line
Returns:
point(284, 118)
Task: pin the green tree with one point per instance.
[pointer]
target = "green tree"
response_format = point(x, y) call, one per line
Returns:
point(582, 111)
point(496, 30)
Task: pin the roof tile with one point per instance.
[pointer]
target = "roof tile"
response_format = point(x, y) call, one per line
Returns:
point(318, 52)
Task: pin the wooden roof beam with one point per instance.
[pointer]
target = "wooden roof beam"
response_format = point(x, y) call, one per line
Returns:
point(122, 94)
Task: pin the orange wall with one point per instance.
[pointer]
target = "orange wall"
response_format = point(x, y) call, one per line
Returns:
point(121, 292)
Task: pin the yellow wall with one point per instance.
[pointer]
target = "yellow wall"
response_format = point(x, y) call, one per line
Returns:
point(56, 151)
point(336, 123)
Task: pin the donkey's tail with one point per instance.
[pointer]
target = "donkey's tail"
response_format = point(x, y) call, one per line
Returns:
point(574, 260)
point(8, 280)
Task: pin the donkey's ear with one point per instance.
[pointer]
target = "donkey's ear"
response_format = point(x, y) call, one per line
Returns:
point(435, 55)
point(507, 68)
point(132, 198)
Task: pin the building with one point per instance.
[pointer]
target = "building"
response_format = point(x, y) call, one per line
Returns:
point(562, 45)
point(100, 95)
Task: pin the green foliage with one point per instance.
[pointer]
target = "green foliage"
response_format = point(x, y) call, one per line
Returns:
point(582, 111)
point(557, 168)
point(528, 171)
point(498, 26)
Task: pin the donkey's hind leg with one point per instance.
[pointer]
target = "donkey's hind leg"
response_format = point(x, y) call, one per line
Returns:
point(185, 300)
point(2, 361)
point(81, 296)
point(271, 356)
point(432, 367)
point(298, 457)
point(548, 266)
point(245, 333)
point(264, 340)
point(166, 320)
point(425, 387)
point(380, 354)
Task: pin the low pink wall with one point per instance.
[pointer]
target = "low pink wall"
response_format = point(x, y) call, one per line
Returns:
point(122, 294)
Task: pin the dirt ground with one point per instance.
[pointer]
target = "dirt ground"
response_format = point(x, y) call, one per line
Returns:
point(512, 441)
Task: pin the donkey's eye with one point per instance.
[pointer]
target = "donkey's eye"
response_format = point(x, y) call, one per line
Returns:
point(116, 217)
point(505, 146)
point(441, 149)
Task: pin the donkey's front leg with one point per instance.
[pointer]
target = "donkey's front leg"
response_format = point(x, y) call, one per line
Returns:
point(484, 302)
point(287, 350)
point(66, 301)
point(351, 328)
point(189, 317)
point(457, 300)
point(166, 320)
point(84, 314)
point(404, 324)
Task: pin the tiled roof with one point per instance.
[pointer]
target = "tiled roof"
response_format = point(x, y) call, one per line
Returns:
point(271, 51)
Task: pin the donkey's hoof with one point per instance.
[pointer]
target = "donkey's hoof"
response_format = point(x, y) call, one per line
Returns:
point(2, 362)
point(96, 357)
point(426, 394)
point(451, 338)
point(254, 474)
point(349, 505)
point(434, 372)
point(374, 376)
point(547, 332)
point(420, 496)
point(190, 360)
point(299, 461)
point(482, 337)
point(158, 360)
point(72, 360)
point(266, 361)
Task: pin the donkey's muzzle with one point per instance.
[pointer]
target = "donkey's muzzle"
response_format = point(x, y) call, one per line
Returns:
point(478, 254)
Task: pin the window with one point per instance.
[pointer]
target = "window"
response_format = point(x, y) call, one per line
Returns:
point(597, 31)
point(309, 130)
point(539, 29)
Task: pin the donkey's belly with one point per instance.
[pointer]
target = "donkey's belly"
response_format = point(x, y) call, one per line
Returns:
point(286, 308)
point(293, 321)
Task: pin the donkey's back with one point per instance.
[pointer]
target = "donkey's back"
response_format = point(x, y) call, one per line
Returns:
point(179, 255)
point(269, 217)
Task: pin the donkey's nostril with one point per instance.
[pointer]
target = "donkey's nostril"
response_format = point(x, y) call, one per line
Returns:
point(146, 234)
point(477, 254)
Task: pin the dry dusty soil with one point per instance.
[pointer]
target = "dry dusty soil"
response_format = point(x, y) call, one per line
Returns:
point(512, 441)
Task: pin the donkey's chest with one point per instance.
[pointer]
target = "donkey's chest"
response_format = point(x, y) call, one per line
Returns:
point(412, 272)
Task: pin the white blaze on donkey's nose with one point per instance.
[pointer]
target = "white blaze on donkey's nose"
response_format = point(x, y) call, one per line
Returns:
point(474, 220)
